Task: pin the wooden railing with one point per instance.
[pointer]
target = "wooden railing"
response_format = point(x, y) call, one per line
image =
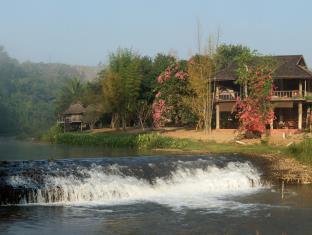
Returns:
point(294, 94)
point(232, 95)
point(69, 119)
point(227, 96)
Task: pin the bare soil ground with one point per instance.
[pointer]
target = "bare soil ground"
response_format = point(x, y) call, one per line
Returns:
point(280, 138)
point(276, 167)
point(219, 136)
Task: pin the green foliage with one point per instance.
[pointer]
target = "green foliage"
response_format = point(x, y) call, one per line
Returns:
point(172, 88)
point(138, 141)
point(28, 93)
point(128, 80)
point(255, 108)
point(52, 134)
point(302, 151)
point(122, 83)
point(71, 92)
point(227, 54)
point(92, 114)
point(201, 70)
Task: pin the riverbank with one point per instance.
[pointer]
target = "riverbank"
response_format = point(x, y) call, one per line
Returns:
point(279, 162)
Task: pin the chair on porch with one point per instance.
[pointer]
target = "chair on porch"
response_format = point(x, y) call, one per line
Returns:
point(291, 124)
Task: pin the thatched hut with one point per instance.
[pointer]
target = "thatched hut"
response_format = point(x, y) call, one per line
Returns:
point(72, 118)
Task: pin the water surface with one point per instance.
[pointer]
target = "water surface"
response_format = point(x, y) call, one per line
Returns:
point(89, 191)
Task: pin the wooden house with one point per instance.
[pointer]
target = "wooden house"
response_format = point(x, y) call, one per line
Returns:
point(291, 99)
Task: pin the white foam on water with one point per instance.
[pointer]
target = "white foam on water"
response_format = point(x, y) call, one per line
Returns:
point(193, 188)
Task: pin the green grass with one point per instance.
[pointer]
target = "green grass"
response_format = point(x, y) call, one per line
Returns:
point(302, 151)
point(153, 140)
point(118, 140)
point(52, 134)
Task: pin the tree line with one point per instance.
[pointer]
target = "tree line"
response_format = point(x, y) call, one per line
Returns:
point(29, 93)
point(130, 91)
point(140, 91)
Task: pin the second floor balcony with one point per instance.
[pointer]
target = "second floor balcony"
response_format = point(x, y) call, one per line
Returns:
point(230, 95)
point(288, 95)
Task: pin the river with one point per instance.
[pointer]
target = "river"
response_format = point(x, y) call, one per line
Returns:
point(51, 189)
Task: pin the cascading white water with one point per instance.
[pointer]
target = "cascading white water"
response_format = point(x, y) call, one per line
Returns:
point(191, 187)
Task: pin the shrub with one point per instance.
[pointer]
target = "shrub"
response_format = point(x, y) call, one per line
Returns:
point(302, 151)
point(138, 141)
point(52, 134)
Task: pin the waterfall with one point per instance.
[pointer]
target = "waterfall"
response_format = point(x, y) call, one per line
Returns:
point(193, 182)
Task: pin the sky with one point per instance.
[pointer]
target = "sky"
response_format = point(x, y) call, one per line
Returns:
point(86, 31)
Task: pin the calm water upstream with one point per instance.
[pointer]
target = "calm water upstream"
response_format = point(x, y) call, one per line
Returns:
point(48, 189)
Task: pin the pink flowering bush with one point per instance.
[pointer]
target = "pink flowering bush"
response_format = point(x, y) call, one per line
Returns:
point(255, 111)
point(168, 106)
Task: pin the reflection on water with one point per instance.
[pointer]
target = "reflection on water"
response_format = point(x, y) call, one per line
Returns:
point(12, 149)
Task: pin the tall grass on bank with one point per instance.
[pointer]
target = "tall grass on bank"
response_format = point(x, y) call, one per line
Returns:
point(124, 140)
point(302, 151)
point(52, 134)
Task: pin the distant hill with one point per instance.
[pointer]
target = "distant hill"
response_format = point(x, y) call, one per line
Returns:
point(28, 92)
point(88, 72)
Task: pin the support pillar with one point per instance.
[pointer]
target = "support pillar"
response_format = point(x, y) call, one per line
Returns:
point(300, 89)
point(300, 115)
point(217, 116)
point(305, 88)
point(245, 90)
point(271, 124)
point(307, 122)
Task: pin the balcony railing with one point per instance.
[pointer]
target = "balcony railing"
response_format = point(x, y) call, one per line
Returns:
point(277, 95)
point(294, 94)
point(70, 119)
point(227, 96)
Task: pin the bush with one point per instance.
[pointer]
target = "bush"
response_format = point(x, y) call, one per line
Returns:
point(138, 141)
point(52, 134)
point(302, 151)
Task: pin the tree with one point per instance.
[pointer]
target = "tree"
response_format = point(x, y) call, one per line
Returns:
point(112, 96)
point(71, 92)
point(122, 86)
point(28, 93)
point(201, 70)
point(255, 109)
point(92, 115)
point(143, 110)
point(168, 105)
point(92, 93)
point(227, 54)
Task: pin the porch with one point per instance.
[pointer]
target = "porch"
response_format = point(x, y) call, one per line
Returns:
point(289, 114)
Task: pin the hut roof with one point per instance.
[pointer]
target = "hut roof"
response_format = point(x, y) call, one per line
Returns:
point(288, 66)
point(76, 108)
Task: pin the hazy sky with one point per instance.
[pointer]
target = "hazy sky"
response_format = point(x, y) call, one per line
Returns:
point(85, 31)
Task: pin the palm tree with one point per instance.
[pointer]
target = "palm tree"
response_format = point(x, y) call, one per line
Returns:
point(70, 93)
